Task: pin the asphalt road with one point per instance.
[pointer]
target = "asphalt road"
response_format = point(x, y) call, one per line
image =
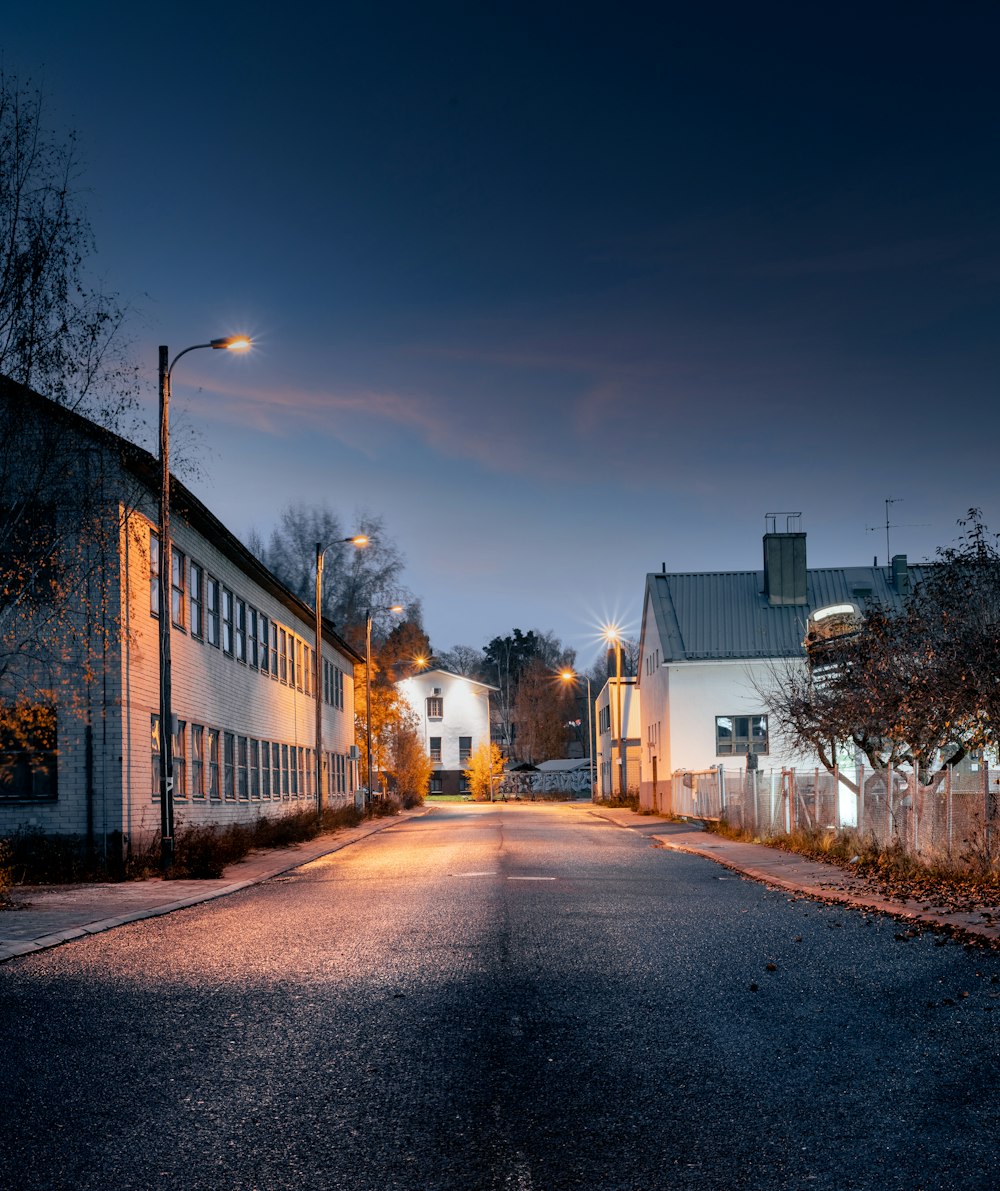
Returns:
point(520, 998)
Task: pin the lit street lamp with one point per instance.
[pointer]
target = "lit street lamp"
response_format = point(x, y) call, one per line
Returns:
point(164, 593)
point(368, 685)
point(572, 676)
point(613, 636)
point(358, 540)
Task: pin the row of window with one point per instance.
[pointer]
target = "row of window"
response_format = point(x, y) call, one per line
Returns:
point(464, 749)
point(211, 763)
point(202, 605)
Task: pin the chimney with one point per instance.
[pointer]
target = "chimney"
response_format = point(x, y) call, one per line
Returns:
point(784, 561)
point(900, 574)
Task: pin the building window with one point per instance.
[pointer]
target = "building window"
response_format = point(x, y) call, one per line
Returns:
point(28, 754)
point(179, 760)
point(178, 572)
point(263, 638)
point(154, 748)
point(197, 596)
point(292, 651)
point(265, 770)
point(437, 783)
point(338, 688)
point(736, 735)
point(227, 621)
point(255, 769)
point(285, 786)
point(294, 769)
point(241, 631)
point(274, 650)
point(197, 761)
point(435, 707)
point(307, 669)
point(242, 761)
point(229, 766)
point(282, 655)
point(275, 770)
point(435, 748)
point(252, 637)
point(464, 749)
point(463, 784)
point(212, 602)
point(212, 752)
point(297, 675)
point(154, 572)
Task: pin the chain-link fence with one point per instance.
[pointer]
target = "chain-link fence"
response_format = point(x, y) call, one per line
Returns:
point(955, 818)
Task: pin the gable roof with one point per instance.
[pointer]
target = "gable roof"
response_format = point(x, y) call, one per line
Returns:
point(726, 614)
point(145, 467)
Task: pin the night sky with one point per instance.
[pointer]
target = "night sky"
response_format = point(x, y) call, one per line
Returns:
point(563, 292)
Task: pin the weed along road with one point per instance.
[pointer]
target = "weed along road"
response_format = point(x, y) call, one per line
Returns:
point(505, 997)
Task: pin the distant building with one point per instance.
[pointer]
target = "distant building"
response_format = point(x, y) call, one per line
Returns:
point(711, 641)
point(242, 653)
point(453, 719)
point(610, 757)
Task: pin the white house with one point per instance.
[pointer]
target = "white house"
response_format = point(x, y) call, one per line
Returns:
point(242, 660)
point(453, 718)
point(711, 641)
point(612, 713)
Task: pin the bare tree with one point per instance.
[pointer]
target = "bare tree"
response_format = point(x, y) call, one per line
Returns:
point(464, 660)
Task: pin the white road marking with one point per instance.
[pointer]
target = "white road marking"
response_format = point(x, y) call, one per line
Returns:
point(531, 878)
point(491, 873)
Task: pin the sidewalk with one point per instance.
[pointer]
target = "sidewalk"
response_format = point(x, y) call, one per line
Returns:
point(800, 875)
point(55, 914)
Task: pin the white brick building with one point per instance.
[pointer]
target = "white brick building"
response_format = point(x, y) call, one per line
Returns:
point(242, 666)
point(453, 721)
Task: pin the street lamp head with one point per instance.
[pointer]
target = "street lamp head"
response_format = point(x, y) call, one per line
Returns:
point(233, 343)
point(568, 675)
point(395, 608)
point(359, 539)
point(612, 633)
point(421, 662)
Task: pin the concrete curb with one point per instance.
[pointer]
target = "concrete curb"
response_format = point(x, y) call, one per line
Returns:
point(287, 860)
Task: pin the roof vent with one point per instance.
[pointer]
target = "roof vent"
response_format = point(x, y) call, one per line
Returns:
point(900, 574)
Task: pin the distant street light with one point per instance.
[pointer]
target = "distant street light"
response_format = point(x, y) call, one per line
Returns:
point(613, 636)
point(368, 685)
point(572, 676)
point(358, 540)
point(232, 343)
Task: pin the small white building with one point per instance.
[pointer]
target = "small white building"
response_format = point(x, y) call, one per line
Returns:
point(614, 712)
point(453, 719)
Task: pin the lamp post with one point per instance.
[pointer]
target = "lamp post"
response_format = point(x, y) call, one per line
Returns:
point(358, 540)
point(572, 676)
point(368, 686)
point(613, 636)
point(164, 592)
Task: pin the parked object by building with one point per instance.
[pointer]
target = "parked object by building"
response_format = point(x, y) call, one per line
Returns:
point(453, 719)
point(711, 641)
point(81, 660)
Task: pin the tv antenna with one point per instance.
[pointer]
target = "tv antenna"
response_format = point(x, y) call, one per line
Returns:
point(889, 502)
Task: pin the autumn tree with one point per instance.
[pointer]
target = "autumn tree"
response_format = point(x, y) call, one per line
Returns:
point(542, 708)
point(403, 648)
point(408, 766)
point(484, 771)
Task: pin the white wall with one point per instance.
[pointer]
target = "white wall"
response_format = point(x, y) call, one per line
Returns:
point(465, 712)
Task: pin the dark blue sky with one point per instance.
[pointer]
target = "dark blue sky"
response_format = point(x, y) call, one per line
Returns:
point(563, 293)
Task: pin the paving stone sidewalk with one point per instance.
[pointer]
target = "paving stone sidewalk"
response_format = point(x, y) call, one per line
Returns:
point(799, 874)
point(47, 915)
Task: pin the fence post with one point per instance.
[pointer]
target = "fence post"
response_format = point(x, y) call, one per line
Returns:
point(836, 792)
point(722, 792)
point(890, 785)
point(987, 817)
point(948, 806)
point(859, 772)
point(913, 801)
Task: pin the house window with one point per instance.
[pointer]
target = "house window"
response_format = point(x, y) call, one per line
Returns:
point(297, 676)
point(293, 769)
point(241, 631)
point(464, 749)
point(435, 748)
point(463, 784)
point(265, 770)
point(197, 596)
point(275, 770)
point(437, 783)
point(179, 760)
point(274, 650)
point(435, 707)
point(263, 636)
point(282, 655)
point(338, 688)
point(178, 572)
point(255, 769)
point(227, 621)
point(212, 752)
point(154, 749)
point(242, 779)
point(306, 669)
point(285, 787)
point(28, 753)
point(212, 603)
point(229, 766)
point(154, 572)
point(293, 649)
point(252, 654)
point(736, 735)
point(197, 761)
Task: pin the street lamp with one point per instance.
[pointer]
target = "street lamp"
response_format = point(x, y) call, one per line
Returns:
point(572, 676)
point(358, 540)
point(613, 636)
point(232, 343)
point(368, 685)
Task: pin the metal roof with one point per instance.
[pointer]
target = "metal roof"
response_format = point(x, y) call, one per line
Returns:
point(725, 614)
